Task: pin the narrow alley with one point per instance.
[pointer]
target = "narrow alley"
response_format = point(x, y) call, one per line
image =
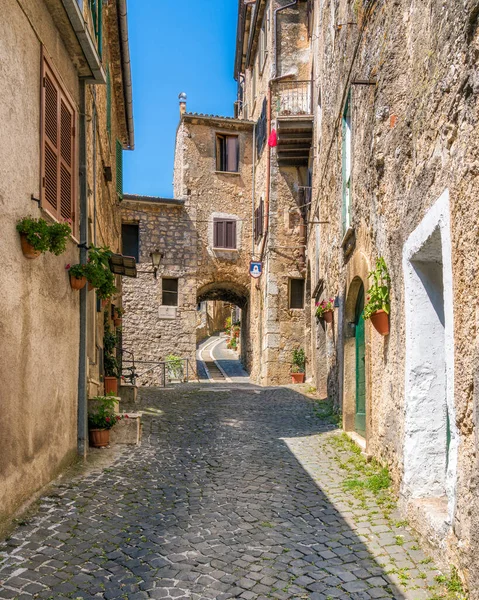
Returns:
point(236, 491)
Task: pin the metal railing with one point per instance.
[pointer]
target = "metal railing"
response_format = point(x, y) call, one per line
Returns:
point(293, 98)
point(155, 373)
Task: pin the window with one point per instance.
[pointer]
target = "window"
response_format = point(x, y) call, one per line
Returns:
point(131, 240)
point(96, 13)
point(169, 295)
point(58, 149)
point(263, 43)
point(296, 293)
point(227, 153)
point(258, 221)
point(224, 233)
point(119, 169)
point(261, 127)
point(347, 149)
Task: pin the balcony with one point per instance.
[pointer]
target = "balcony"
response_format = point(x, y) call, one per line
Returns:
point(293, 107)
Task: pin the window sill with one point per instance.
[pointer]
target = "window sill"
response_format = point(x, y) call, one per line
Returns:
point(225, 249)
point(227, 172)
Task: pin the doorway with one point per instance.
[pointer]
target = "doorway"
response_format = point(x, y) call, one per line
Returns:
point(360, 343)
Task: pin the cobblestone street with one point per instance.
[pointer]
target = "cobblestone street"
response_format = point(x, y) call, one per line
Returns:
point(236, 491)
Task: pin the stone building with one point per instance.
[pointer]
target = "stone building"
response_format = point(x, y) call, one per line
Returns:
point(394, 165)
point(204, 237)
point(65, 109)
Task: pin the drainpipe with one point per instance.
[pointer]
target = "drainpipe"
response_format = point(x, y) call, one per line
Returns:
point(253, 188)
point(82, 443)
point(268, 175)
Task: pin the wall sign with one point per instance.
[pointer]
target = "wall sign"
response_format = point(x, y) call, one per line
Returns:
point(255, 269)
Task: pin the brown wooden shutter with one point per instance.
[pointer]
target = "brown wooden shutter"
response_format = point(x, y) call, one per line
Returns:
point(219, 234)
point(50, 141)
point(230, 234)
point(58, 149)
point(232, 154)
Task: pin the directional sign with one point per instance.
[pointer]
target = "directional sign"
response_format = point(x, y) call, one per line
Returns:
point(255, 269)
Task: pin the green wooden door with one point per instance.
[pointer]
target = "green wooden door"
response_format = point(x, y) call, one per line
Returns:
point(360, 417)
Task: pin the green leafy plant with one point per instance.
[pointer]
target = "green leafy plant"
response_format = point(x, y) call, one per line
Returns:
point(174, 364)
point(103, 415)
point(378, 293)
point(119, 312)
point(44, 237)
point(324, 306)
point(299, 361)
point(233, 343)
point(98, 273)
point(228, 325)
point(110, 341)
point(77, 271)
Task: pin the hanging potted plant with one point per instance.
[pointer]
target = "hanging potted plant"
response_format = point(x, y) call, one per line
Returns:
point(299, 366)
point(117, 319)
point(98, 272)
point(77, 276)
point(100, 420)
point(378, 305)
point(325, 310)
point(110, 363)
point(37, 237)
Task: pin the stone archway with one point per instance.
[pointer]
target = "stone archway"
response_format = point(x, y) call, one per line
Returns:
point(237, 294)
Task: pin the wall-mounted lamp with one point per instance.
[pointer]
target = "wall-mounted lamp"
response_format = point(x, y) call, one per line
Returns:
point(156, 257)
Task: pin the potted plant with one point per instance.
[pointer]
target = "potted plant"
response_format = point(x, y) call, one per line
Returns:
point(77, 276)
point(98, 272)
point(299, 364)
point(101, 419)
point(174, 365)
point(110, 362)
point(37, 237)
point(325, 310)
point(378, 304)
point(117, 319)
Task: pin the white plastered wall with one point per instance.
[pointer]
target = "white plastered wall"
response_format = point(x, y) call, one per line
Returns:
point(429, 472)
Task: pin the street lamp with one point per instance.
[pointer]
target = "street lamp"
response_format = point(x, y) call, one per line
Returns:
point(156, 257)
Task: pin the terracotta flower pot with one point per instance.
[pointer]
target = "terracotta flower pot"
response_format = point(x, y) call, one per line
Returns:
point(104, 302)
point(111, 385)
point(90, 287)
point(99, 438)
point(297, 377)
point(27, 249)
point(77, 283)
point(328, 316)
point(380, 321)
point(117, 322)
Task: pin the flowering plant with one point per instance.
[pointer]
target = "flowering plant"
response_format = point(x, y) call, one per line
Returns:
point(299, 361)
point(324, 306)
point(103, 416)
point(77, 271)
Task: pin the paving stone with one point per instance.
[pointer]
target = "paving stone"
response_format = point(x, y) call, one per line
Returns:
point(214, 504)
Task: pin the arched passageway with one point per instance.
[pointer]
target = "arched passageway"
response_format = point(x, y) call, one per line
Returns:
point(237, 296)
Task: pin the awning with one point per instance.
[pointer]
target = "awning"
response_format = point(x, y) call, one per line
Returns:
point(123, 265)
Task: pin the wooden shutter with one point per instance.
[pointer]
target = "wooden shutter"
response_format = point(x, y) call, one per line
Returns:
point(219, 233)
point(108, 102)
point(230, 234)
point(232, 153)
point(119, 169)
point(58, 149)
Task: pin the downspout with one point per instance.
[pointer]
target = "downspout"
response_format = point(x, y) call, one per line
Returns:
point(126, 71)
point(82, 443)
point(253, 189)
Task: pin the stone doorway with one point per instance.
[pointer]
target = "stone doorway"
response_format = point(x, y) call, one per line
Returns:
point(355, 373)
point(430, 441)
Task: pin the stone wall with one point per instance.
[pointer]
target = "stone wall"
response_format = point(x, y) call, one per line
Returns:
point(414, 139)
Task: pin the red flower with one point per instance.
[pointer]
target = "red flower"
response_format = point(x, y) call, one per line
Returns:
point(67, 267)
point(107, 419)
point(127, 417)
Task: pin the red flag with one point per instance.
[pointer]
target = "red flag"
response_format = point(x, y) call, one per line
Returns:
point(273, 139)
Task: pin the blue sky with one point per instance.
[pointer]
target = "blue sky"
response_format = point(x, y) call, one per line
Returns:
point(180, 46)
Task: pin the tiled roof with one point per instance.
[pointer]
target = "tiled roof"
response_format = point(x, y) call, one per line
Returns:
point(153, 199)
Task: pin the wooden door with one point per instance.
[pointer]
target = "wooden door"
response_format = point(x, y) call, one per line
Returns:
point(360, 417)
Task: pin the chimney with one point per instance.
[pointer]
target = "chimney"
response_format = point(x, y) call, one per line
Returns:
point(182, 99)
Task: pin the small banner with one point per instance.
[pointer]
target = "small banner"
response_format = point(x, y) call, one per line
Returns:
point(273, 139)
point(255, 269)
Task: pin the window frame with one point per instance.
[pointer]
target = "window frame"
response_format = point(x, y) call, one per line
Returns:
point(48, 70)
point(259, 221)
point(347, 164)
point(137, 226)
point(225, 220)
point(290, 295)
point(218, 159)
point(163, 279)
